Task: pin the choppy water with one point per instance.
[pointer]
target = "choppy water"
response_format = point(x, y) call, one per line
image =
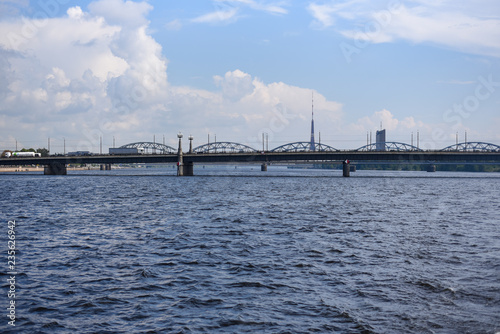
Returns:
point(291, 252)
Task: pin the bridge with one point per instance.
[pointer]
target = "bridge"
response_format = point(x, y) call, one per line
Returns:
point(154, 147)
point(234, 153)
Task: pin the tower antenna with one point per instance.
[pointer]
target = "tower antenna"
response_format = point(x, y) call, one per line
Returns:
point(312, 146)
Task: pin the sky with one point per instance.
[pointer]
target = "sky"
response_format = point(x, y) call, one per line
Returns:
point(79, 72)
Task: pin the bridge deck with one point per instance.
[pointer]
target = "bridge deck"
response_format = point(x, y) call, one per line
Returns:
point(259, 157)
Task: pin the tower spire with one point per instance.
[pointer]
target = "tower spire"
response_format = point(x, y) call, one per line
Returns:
point(312, 145)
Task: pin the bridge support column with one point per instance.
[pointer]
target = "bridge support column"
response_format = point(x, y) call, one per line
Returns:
point(263, 167)
point(105, 167)
point(431, 168)
point(55, 169)
point(188, 168)
point(346, 168)
point(180, 169)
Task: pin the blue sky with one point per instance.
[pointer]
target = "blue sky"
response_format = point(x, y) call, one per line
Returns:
point(130, 70)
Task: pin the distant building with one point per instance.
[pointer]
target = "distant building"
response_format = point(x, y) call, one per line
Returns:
point(380, 140)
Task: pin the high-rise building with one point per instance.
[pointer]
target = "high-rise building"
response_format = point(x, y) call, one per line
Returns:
point(380, 140)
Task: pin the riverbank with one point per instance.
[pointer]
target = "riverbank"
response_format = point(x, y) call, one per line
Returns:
point(38, 169)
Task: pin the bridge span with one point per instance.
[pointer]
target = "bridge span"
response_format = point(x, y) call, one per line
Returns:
point(186, 161)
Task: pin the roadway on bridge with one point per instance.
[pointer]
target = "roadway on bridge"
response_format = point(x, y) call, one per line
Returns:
point(268, 157)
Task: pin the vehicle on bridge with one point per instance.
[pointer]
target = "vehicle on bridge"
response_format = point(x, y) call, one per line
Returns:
point(22, 154)
point(126, 151)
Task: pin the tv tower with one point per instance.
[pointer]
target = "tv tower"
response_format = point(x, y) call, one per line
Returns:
point(313, 145)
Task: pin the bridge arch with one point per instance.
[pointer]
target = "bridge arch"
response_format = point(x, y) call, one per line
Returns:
point(224, 147)
point(473, 147)
point(388, 146)
point(154, 147)
point(304, 146)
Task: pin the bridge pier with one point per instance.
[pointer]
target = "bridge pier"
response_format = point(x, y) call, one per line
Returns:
point(55, 169)
point(346, 168)
point(431, 168)
point(188, 168)
point(263, 167)
point(106, 167)
point(184, 169)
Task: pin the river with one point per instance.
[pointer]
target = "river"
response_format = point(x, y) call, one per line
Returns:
point(243, 251)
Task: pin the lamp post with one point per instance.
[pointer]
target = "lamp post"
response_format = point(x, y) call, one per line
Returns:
point(190, 143)
point(180, 168)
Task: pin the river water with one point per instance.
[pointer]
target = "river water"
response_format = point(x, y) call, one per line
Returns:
point(243, 251)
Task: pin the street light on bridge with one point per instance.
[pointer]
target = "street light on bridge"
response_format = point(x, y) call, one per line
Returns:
point(190, 143)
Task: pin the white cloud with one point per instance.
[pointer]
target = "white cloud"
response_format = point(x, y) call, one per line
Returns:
point(100, 73)
point(274, 8)
point(325, 14)
point(228, 11)
point(388, 121)
point(9, 8)
point(130, 13)
point(69, 74)
point(75, 45)
point(217, 16)
point(174, 25)
point(470, 28)
point(430, 135)
point(75, 13)
point(235, 84)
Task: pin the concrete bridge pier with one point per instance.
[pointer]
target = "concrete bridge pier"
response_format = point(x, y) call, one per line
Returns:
point(431, 168)
point(346, 168)
point(55, 169)
point(188, 168)
point(105, 167)
point(184, 168)
point(263, 167)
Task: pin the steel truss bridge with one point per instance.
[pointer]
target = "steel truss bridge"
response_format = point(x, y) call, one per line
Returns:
point(388, 146)
point(234, 153)
point(473, 147)
point(154, 147)
point(302, 146)
point(223, 147)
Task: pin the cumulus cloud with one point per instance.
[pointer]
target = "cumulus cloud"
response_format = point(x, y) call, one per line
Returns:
point(470, 28)
point(99, 73)
point(83, 70)
point(235, 84)
point(388, 121)
point(119, 12)
point(431, 135)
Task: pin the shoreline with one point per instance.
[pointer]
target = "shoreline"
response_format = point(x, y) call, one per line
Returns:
point(22, 169)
